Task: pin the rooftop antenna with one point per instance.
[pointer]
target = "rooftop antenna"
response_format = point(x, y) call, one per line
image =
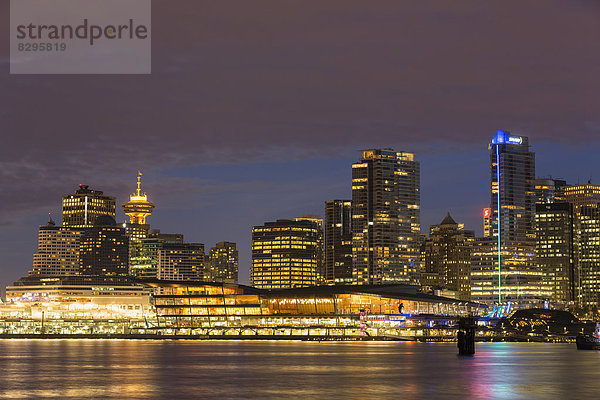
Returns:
point(139, 182)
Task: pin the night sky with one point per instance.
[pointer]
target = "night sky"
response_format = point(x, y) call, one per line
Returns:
point(255, 111)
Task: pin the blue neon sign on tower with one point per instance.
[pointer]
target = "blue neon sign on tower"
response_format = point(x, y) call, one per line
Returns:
point(503, 137)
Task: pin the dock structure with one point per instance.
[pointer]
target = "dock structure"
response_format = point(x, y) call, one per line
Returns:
point(466, 336)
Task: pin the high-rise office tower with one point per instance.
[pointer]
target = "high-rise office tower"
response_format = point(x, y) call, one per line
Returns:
point(503, 264)
point(512, 177)
point(285, 254)
point(447, 258)
point(522, 283)
point(338, 242)
point(582, 195)
point(549, 190)
point(80, 210)
point(555, 249)
point(222, 265)
point(589, 256)
point(560, 185)
point(181, 262)
point(58, 251)
point(138, 208)
point(318, 220)
point(385, 217)
point(104, 249)
point(143, 253)
point(585, 199)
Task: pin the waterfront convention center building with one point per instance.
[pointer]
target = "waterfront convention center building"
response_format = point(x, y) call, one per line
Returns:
point(153, 308)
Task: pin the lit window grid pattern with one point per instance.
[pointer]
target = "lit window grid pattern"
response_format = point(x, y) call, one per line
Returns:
point(58, 252)
point(522, 281)
point(589, 256)
point(143, 257)
point(555, 252)
point(222, 263)
point(79, 208)
point(517, 191)
point(582, 195)
point(181, 262)
point(338, 242)
point(386, 218)
point(447, 259)
point(104, 251)
point(285, 254)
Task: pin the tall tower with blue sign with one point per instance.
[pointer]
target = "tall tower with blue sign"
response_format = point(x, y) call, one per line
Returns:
point(512, 171)
point(512, 205)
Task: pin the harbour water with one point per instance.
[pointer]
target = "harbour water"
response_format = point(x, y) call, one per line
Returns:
point(138, 369)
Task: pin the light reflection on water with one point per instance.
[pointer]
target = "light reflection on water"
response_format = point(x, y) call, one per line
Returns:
point(121, 369)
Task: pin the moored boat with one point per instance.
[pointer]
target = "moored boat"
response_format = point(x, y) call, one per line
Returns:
point(589, 342)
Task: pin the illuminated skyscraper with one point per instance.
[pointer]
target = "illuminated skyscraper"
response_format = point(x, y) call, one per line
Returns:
point(338, 242)
point(222, 265)
point(513, 164)
point(386, 217)
point(522, 281)
point(549, 190)
point(58, 251)
point(181, 262)
point(318, 220)
point(555, 249)
point(585, 199)
point(503, 265)
point(104, 249)
point(447, 258)
point(81, 209)
point(285, 254)
point(144, 252)
point(582, 195)
point(589, 256)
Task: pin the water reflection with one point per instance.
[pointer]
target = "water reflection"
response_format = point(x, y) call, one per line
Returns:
point(189, 369)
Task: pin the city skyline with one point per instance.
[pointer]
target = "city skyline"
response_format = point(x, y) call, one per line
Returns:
point(470, 215)
point(300, 199)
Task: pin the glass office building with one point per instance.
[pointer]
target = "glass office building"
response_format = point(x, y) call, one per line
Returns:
point(338, 242)
point(286, 254)
point(512, 171)
point(556, 250)
point(519, 282)
point(589, 256)
point(81, 209)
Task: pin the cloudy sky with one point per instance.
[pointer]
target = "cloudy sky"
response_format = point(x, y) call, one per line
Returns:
point(255, 111)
